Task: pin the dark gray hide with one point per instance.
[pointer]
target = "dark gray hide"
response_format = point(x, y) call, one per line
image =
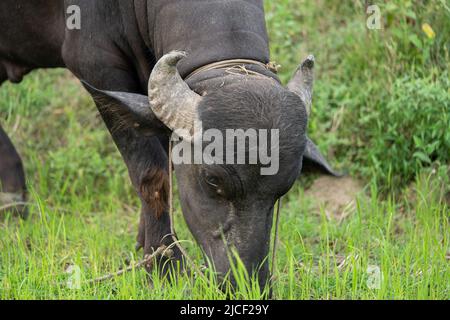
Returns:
point(115, 50)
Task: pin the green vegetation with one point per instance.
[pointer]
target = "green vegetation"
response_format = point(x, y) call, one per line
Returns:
point(381, 110)
point(382, 96)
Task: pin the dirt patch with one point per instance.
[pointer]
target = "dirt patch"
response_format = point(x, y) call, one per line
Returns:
point(337, 196)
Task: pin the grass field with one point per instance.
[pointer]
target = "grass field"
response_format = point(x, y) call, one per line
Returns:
point(381, 110)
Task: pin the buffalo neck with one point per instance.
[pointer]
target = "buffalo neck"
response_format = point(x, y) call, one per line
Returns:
point(209, 31)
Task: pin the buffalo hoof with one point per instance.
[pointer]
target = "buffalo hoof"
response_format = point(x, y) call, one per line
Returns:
point(14, 203)
point(166, 266)
point(149, 240)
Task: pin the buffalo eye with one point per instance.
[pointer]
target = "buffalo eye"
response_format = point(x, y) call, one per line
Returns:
point(215, 183)
point(212, 181)
point(220, 182)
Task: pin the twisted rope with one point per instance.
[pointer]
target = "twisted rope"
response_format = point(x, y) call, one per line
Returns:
point(237, 65)
point(147, 261)
point(276, 237)
point(173, 234)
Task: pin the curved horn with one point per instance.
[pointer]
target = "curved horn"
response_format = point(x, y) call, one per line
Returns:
point(171, 99)
point(303, 81)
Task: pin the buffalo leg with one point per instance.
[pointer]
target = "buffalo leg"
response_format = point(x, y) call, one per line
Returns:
point(145, 157)
point(147, 162)
point(12, 177)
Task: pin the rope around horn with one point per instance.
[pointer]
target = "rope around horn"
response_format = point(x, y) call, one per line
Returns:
point(171, 218)
point(275, 238)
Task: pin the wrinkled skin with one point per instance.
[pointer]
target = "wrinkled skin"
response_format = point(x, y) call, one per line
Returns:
point(116, 50)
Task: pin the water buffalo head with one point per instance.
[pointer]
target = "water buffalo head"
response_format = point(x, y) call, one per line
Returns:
point(237, 150)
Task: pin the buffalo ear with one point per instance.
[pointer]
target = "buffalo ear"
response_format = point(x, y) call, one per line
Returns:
point(314, 161)
point(133, 109)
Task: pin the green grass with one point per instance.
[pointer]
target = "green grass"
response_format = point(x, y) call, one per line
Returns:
point(381, 110)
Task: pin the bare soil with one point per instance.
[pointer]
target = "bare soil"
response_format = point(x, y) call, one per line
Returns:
point(337, 196)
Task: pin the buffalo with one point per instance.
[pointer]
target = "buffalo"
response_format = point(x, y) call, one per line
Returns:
point(156, 69)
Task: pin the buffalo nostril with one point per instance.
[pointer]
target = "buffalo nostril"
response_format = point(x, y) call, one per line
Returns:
point(226, 227)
